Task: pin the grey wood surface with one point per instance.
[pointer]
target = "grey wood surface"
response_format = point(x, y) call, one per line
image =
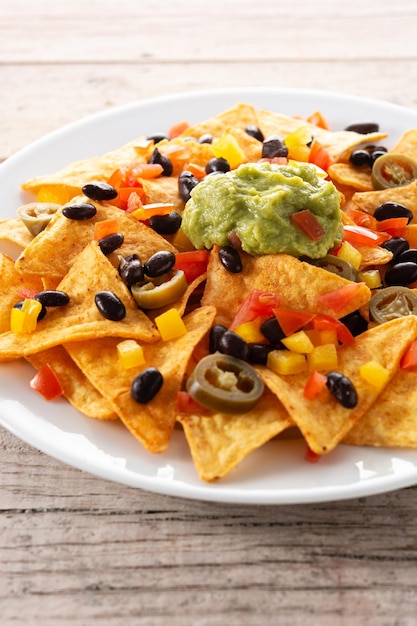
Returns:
point(75, 549)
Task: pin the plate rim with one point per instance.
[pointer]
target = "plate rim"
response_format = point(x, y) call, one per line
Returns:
point(208, 492)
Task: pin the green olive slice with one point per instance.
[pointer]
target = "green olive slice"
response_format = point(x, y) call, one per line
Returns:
point(155, 293)
point(391, 303)
point(337, 266)
point(221, 382)
point(393, 170)
point(37, 215)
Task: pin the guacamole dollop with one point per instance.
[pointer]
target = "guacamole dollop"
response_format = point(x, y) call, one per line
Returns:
point(256, 202)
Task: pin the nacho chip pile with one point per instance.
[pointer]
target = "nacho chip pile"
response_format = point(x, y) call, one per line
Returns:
point(311, 304)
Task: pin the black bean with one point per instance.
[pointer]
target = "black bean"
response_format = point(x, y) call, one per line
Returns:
point(258, 353)
point(272, 330)
point(342, 388)
point(159, 263)
point(131, 270)
point(52, 297)
point(355, 322)
point(376, 154)
point(217, 165)
point(110, 306)
point(230, 259)
point(396, 245)
point(146, 385)
point(392, 209)
point(99, 190)
point(403, 274)
point(255, 132)
point(233, 344)
point(360, 157)
point(160, 159)
point(408, 255)
point(110, 243)
point(186, 183)
point(157, 137)
point(206, 138)
point(79, 211)
point(363, 127)
point(166, 224)
point(371, 148)
point(41, 313)
point(274, 146)
point(215, 333)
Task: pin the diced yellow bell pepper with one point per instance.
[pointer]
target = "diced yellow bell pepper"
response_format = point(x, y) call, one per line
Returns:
point(298, 342)
point(58, 194)
point(375, 374)
point(372, 278)
point(170, 325)
point(181, 242)
point(321, 337)
point(285, 362)
point(250, 332)
point(130, 354)
point(228, 148)
point(323, 358)
point(25, 320)
point(297, 144)
point(350, 254)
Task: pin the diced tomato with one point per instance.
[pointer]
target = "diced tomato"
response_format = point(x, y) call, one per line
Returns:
point(196, 170)
point(363, 236)
point(26, 292)
point(46, 383)
point(193, 263)
point(276, 160)
point(326, 322)
point(307, 222)
point(338, 298)
point(145, 170)
point(310, 456)
point(186, 405)
point(317, 118)
point(409, 358)
point(395, 226)
point(257, 303)
point(290, 320)
point(124, 193)
point(361, 218)
point(320, 156)
point(178, 129)
point(314, 386)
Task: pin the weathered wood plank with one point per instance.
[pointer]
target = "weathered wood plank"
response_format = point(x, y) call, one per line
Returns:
point(47, 97)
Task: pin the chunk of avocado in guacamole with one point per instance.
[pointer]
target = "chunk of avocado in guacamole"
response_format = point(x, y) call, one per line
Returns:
point(256, 202)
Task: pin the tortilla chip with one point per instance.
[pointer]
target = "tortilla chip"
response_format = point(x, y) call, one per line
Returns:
point(407, 144)
point(338, 143)
point(323, 421)
point(80, 319)
point(13, 230)
point(150, 423)
point(406, 195)
point(392, 420)
point(250, 146)
point(163, 189)
point(350, 176)
point(68, 181)
point(10, 284)
point(69, 237)
point(77, 388)
point(220, 441)
point(298, 283)
point(238, 116)
point(374, 255)
point(191, 152)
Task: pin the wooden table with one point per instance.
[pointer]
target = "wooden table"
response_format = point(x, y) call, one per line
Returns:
point(75, 549)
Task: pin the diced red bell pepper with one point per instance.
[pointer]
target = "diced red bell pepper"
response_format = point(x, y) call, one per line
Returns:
point(46, 383)
point(315, 384)
point(193, 263)
point(394, 226)
point(320, 156)
point(409, 358)
point(326, 322)
point(363, 236)
point(177, 129)
point(310, 456)
point(317, 118)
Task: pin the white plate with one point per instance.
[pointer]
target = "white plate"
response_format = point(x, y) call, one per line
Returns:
point(276, 473)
